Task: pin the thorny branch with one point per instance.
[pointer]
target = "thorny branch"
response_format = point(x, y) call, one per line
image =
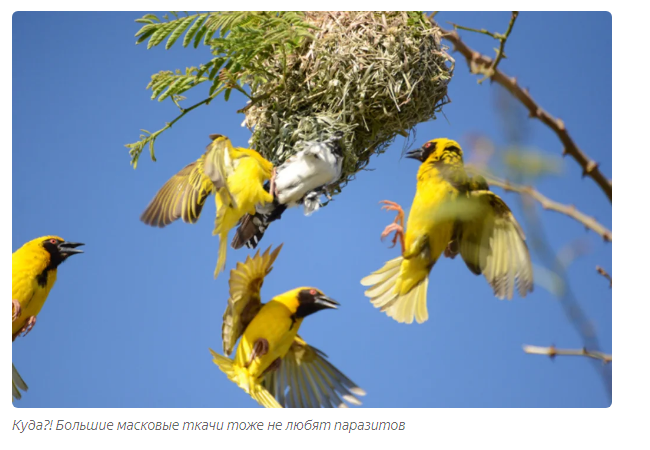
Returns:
point(502, 38)
point(604, 273)
point(481, 64)
point(553, 352)
point(547, 203)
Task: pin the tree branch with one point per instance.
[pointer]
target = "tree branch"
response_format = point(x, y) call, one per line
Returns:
point(480, 64)
point(502, 45)
point(602, 271)
point(547, 203)
point(136, 148)
point(553, 352)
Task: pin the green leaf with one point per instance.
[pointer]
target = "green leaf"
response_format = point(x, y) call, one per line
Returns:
point(145, 36)
point(151, 27)
point(218, 62)
point(193, 29)
point(158, 88)
point(214, 86)
point(204, 68)
point(162, 32)
point(199, 35)
point(151, 17)
point(178, 31)
point(226, 95)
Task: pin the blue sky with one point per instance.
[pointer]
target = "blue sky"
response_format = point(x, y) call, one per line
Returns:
point(129, 323)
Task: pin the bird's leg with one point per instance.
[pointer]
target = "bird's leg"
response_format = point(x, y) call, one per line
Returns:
point(260, 348)
point(398, 224)
point(399, 234)
point(16, 310)
point(392, 206)
point(26, 328)
point(452, 249)
point(272, 187)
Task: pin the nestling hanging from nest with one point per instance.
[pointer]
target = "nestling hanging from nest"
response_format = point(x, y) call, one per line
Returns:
point(301, 180)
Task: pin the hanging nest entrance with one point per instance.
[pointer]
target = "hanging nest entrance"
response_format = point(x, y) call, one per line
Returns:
point(370, 75)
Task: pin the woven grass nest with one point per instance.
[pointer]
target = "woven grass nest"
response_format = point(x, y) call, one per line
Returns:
point(369, 75)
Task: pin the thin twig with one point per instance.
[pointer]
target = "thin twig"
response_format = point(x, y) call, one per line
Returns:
point(553, 352)
point(547, 203)
point(480, 64)
point(136, 148)
point(604, 273)
point(475, 30)
point(502, 46)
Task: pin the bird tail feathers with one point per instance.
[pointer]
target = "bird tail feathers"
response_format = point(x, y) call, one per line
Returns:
point(384, 293)
point(252, 227)
point(223, 249)
point(242, 378)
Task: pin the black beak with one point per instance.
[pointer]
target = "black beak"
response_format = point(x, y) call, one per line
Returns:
point(69, 248)
point(415, 154)
point(325, 302)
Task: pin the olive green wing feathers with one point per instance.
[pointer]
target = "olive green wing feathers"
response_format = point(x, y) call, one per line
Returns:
point(306, 379)
point(491, 242)
point(184, 194)
point(245, 283)
point(17, 383)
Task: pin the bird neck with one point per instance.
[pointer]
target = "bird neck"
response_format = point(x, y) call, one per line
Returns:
point(447, 166)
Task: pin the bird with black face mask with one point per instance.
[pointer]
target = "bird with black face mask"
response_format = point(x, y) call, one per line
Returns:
point(300, 180)
point(451, 213)
point(33, 274)
point(273, 364)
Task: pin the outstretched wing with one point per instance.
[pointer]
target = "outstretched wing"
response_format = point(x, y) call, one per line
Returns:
point(244, 303)
point(17, 384)
point(183, 195)
point(306, 379)
point(493, 243)
point(218, 165)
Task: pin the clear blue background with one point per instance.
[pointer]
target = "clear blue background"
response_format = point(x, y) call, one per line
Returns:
point(130, 321)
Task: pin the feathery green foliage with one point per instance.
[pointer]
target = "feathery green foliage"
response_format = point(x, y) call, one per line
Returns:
point(240, 41)
point(368, 75)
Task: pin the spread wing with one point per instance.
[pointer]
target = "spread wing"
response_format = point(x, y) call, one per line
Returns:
point(17, 383)
point(306, 379)
point(183, 195)
point(218, 165)
point(493, 243)
point(244, 303)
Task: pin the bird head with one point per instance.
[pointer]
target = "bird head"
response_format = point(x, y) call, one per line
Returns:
point(304, 301)
point(57, 249)
point(440, 149)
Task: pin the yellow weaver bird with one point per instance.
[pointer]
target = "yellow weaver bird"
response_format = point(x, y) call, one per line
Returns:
point(451, 213)
point(235, 175)
point(273, 364)
point(33, 274)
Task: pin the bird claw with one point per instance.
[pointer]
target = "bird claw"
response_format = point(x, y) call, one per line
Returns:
point(398, 224)
point(26, 328)
point(392, 206)
point(451, 251)
point(17, 309)
point(399, 234)
point(260, 348)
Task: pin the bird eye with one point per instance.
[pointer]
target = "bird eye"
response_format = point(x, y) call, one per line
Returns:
point(427, 145)
point(53, 241)
point(313, 292)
